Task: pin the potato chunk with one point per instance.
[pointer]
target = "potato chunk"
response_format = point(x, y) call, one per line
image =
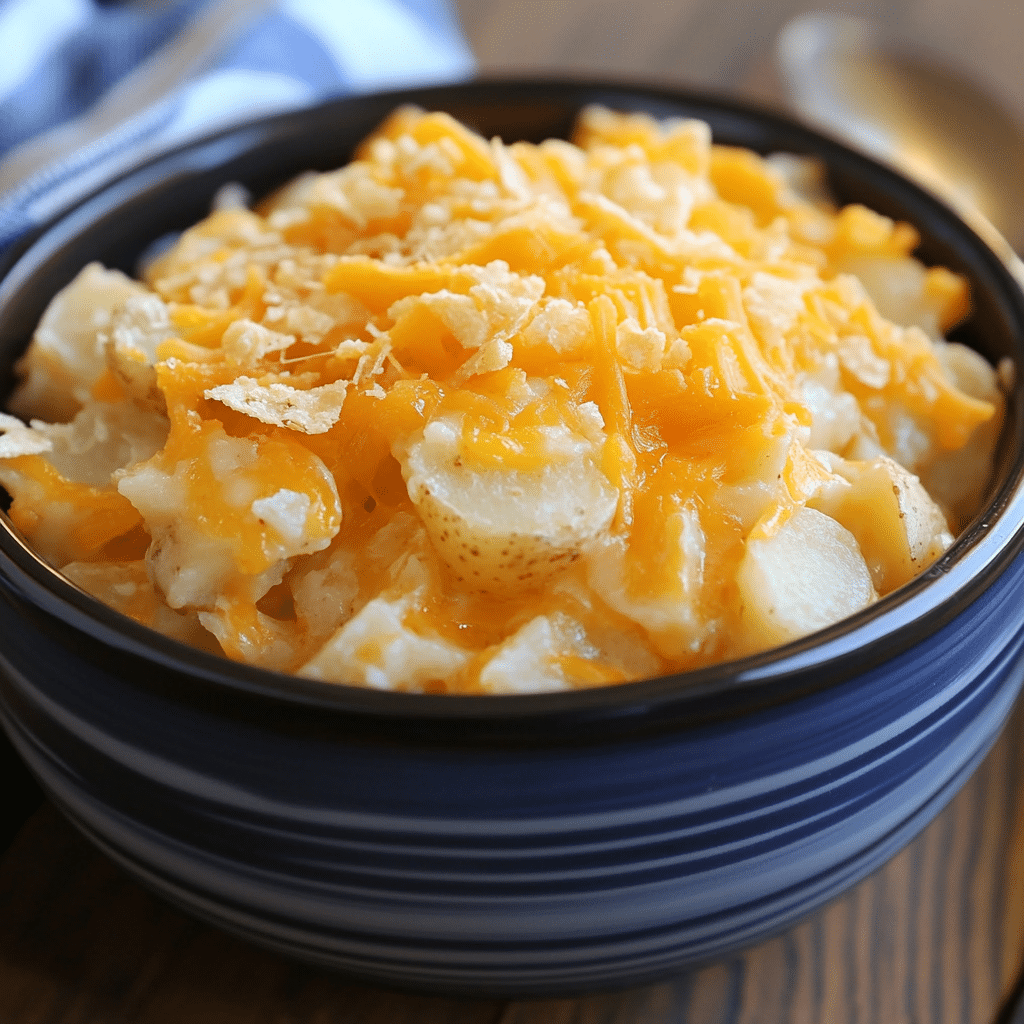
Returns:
point(899, 529)
point(806, 576)
point(499, 531)
point(375, 648)
point(67, 353)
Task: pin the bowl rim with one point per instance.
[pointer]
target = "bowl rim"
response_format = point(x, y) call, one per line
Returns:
point(726, 690)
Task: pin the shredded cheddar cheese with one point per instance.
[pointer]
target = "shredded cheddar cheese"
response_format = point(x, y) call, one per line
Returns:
point(472, 417)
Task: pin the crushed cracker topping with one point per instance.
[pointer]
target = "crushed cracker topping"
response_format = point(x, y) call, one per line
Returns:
point(468, 416)
point(313, 411)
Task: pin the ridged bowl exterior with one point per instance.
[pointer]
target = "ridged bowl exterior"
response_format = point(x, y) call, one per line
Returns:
point(521, 845)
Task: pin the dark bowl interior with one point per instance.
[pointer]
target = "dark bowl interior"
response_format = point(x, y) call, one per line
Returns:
point(118, 223)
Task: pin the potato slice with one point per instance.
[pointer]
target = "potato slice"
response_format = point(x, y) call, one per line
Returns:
point(499, 531)
point(958, 479)
point(557, 651)
point(671, 613)
point(527, 662)
point(807, 575)
point(375, 648)
point(221, 524)
point(102, 438)
point(908, 293)
point(899, 529)
point(67, 352)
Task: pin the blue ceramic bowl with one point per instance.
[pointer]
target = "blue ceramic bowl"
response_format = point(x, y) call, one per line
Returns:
point(529, 844)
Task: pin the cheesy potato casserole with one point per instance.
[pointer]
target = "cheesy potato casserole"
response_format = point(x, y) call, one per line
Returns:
point(483, 418)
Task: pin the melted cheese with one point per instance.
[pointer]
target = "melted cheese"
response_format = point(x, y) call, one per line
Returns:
point(471, 417)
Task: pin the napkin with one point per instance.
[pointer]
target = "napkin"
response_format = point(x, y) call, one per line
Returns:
point(90, 88)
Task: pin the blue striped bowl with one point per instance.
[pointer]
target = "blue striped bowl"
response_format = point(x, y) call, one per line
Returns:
point(513, 845)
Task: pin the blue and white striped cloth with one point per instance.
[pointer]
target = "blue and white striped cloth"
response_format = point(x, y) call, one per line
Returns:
point(88, 88)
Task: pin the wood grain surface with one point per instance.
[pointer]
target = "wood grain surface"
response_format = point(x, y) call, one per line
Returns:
point(935, 937)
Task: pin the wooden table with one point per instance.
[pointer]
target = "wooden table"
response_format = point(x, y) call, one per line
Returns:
point(935, 937)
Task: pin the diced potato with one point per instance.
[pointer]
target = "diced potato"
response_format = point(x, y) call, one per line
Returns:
point(375, 648)
point(190, 565)
point(219, 523)
point(247, 634)
point(500, 532)
point(101, 439)
point(527, 662)
point(670, 613)
point(899, 529)
point(67, 353)
point(325, 596)
point(909, 294)
point(806, 576)
point(958, 479)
